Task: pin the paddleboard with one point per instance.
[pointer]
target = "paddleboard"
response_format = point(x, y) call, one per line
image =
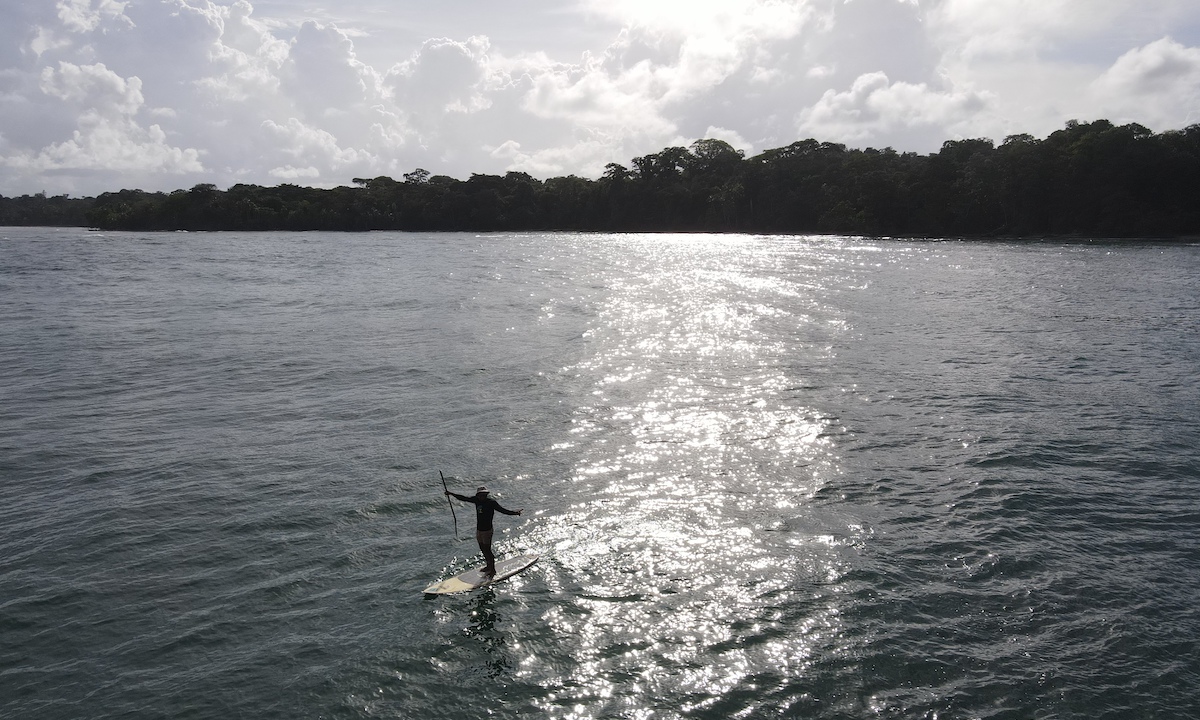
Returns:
point(472, 579)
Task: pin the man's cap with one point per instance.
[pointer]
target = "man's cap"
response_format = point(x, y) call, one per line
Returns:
point(481, 490)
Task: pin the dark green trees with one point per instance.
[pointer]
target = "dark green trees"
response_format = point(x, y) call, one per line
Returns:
point(1094, 179)
point(38, 209)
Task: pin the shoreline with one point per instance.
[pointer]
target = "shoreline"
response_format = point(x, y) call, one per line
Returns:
point(1032, 239)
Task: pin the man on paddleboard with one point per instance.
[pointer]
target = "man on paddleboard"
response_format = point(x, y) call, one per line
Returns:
point(485, 508)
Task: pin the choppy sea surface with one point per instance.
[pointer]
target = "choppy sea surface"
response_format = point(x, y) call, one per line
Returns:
point(812, 477)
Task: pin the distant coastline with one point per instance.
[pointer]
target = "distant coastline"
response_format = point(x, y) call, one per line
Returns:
point(1088, 179)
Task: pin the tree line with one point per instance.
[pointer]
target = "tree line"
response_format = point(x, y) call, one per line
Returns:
point(1095, 179)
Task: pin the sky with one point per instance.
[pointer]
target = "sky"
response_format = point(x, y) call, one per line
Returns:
point(101, 95)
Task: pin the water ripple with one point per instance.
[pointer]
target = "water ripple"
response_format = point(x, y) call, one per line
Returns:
point(769, 476)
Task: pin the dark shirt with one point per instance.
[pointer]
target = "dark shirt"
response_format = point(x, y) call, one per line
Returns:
point(485, 509)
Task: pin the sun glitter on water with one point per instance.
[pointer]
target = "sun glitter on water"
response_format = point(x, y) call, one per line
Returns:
point(693, 457)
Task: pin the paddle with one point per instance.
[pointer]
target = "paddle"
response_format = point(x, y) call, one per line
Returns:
point(452, 513)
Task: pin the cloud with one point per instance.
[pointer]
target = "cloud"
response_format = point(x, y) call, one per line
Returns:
point(294, 173)
point(322, 74)
point(443, 76)
point(1162, 67)
point(82, 16)
point(107, 136)
point(303, 142)
point(876, 109)
point(594, 98)
point(1005, 28)
point(111, 146)
point(730, 136)
point(585, 157)
point(101, 94)
point(1043, 62)
point(670, 51)
point(1158, 83)
point(94, 88)
point(709, 19)
point(24, 31)
point(662, 75)
point(1055, 30)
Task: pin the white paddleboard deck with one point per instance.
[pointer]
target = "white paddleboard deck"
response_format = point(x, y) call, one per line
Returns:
point(472, 579)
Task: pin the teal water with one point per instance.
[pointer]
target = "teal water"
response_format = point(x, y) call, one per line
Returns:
point(770, 476)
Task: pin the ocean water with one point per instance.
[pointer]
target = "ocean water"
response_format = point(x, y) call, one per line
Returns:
point(812, 477)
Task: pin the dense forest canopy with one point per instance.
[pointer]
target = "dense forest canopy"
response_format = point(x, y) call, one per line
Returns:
point(1086, 179)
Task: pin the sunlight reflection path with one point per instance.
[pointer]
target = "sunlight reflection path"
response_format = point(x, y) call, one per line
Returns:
point(697, 574)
